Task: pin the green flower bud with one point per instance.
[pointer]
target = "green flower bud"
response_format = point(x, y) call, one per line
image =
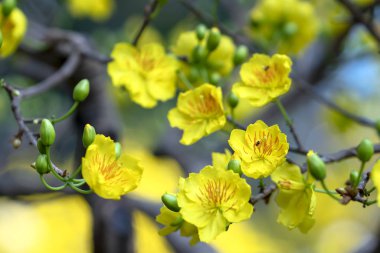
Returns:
point(81, 90)
point(316, 166)
point(170, 201)
point(8, 6)
point(47, 132)
point(1, 38)
point(41, 164)
point(178, 221)
point(199, 54)
point(88, 135)
point(241, 54)
point(234, 165)
point(354, 177)
point(377, 126)
point(117, 149)
point(201, 31)
point(290, 29)
point(213, 39)
point(194, 74)
point(232, 100)
point(215, 78)
point(365, 150)
point(41, 147)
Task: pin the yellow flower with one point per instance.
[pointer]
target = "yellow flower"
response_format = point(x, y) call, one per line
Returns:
point(173, 221)
point(147, 73)
point(213, 199)
point(199, 112)
point(261, 148)
point(296, 198)
point(289, 25)
point(220, 60)
point(109, 176)
point(375, 176)
point(97, 10)
point(221, 160)
point(13, 29)
point(263, 78)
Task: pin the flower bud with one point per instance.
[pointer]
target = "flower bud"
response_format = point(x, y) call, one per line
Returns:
point(178, 221)
point(117, 149)
point(365, 150)
point(201, 31)
point(194, 74)
point(377, 126)
point(16, 143)
point(241, 54)
point(354, 177)
point(316, 166)
point(8, 6)
point(215, 78)
point(213, 39)
point(88, 135)
point(41, 147)
point(199, 54)
point(170, 201)
point(234, 165)
point(290, 29)
point(41, 164)
point(47, 132)
point(232, 100)
point(81, 90)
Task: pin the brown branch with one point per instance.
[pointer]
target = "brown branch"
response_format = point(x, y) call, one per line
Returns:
point(148, 11)
point(267, 192)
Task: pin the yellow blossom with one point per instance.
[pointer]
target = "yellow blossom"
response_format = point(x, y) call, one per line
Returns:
point(213, 199)
point(221, 160)
point(264, 78)
point(220, 60)
point(199, 112)
point(173, 221)
point(147, 73)
point(261, 148)
point(97, 10)
point(289, 25)
point(109, 176)
point(375, 176)
point(296, 198)
point(13, 29)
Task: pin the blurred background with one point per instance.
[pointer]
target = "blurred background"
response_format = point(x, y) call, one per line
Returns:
point(340, 60)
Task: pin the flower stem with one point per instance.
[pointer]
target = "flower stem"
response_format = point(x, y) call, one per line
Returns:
point(283, 112)
point(51, 166)
point(184, 79)
point(67, 114)
point(324, 186)
point(368, 203)
point(52, 188)
point(75, 188)
point(324, 191)
point(360, 174)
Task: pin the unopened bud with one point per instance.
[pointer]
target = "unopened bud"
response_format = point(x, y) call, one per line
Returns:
point(117, 149)
point(170, 201)
point(354, 177)
point(47, 132)
point(81, 90)
point(213, 39)
point(8, 6)
point(290, 29)
point(234, 165)
point(16, 143)
point(41, 147)
point(316, 166)
point(41, 164)
point(232, 100)
point(201, 31)
point(199, 54)
point(365, 150)
point(241, 54)
point(88, 135)
point(215, 78)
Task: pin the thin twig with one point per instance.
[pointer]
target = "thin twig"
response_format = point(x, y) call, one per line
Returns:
point(148, 11)
point(265, 194)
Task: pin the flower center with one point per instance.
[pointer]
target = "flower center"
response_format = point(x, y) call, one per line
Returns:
point(264, 143)
point(216, 192)
point(206, 105)
point(106, 165)
point(266, 75)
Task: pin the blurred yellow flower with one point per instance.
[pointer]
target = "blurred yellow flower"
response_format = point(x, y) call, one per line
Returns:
point(161, 174)
point(219, 61)
point(45, 223)
point(199, 112)
point(264, 78)
point(173, 221)
point(375, 176)
point(296, 198)
point(289, 25)
point(13, 29)
point(261, 148)
point(97, 10)
point(109, 176)
point(147, 73)
point(213, 199)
